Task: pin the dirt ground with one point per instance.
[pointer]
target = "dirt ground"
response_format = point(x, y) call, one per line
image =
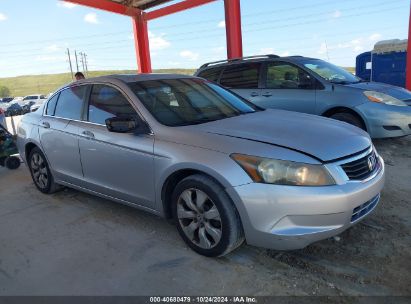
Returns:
point(72, 243)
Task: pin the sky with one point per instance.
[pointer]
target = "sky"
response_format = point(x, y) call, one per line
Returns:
point(35, 35)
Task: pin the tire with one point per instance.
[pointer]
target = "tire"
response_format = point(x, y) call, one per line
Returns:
point(348, 118)
point(206, 218)
point(12, 162)
point(2, 161)
point(40, 172)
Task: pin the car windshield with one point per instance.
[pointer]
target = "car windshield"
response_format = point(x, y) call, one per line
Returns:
point(180, 102)
point(331, 72)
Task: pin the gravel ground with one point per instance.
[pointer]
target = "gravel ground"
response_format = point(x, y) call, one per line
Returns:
point(71, 243)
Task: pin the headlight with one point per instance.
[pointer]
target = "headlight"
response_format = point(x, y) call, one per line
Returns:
point(383, 98)
point(282, 172)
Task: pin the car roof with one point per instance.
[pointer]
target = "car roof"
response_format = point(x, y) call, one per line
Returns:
point(260, 58)
point(125, 78)
point(134, 77)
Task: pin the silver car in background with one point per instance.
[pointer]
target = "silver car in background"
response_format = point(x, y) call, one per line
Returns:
point(314, 86)
point(224, 169)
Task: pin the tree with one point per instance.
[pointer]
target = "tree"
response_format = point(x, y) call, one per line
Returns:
point(4, 91)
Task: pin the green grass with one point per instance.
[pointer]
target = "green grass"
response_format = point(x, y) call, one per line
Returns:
point(44, 84)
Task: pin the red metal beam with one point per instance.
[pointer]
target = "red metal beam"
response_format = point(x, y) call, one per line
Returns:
point(408, 68)
point(140, 30)
point(108, 6)
point(233, 28)
point(175, 8)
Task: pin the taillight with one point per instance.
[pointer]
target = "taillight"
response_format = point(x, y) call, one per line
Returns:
point(1, 111)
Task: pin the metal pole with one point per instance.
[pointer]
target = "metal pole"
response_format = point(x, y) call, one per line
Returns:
point(69, 59)
point(233, 28)
point(142, 44)
point(85, 62)
point(82, 61)
point(75, 54)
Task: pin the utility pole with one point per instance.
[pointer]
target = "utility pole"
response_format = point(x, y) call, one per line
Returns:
point(326, 48)
point(69, 60)
point(85, 62)
point(82, 61)
point(75, 54)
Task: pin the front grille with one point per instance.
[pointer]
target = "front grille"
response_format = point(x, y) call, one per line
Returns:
point(361, 168)
point(364, 209)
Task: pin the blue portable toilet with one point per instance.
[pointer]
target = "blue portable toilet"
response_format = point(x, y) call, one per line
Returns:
point(363, 66)
point(385, 63)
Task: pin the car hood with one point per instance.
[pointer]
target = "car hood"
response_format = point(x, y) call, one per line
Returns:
point(394, 91)
point(322, 138)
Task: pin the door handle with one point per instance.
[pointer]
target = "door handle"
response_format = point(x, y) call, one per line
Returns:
point(254, 94)
point(45, 124)
point(267, 94)
point(88, 134)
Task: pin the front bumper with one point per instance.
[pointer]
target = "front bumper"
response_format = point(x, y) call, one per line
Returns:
point(287, 217)
point(386, 121)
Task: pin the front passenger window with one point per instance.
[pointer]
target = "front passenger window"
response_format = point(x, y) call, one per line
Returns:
point(107, 102)
point(287, 76)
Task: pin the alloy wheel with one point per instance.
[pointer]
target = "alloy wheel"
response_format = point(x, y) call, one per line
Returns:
point(199, 218)
point(39, 170)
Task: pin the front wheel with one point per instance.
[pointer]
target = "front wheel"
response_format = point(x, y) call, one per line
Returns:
point(206, 218)
point(348, 118)
point(40, 172)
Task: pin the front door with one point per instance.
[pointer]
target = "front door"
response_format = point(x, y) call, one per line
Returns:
point(288, 87)
point(120, 165)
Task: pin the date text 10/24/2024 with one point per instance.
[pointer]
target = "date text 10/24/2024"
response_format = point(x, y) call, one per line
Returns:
point(203, 299)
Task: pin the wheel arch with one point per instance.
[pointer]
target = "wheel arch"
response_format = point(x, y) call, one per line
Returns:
point(342, 109)
point(28, 148)
point(174, 177)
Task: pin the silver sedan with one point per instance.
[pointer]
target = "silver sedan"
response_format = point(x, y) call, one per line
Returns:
point(224, 169)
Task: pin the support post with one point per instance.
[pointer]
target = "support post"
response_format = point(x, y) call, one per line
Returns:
point(408, 67)
point(233, 28)
point(140, 30)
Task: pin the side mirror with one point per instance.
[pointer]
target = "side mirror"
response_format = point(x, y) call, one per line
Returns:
point(121, 124)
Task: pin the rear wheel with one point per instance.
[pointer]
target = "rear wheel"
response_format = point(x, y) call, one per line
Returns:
point(348, 118)
point(206, 218)
point(40, 172)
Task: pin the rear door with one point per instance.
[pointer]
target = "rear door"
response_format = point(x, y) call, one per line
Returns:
point(58, 132)
point(120, 165)
point(243, 79)
point(288, 87)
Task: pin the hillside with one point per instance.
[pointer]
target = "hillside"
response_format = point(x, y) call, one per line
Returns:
point(44, 84)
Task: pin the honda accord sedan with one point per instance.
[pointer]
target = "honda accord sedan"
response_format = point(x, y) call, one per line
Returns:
point(225, 170)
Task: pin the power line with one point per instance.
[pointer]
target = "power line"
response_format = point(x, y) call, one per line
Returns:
point(15, 53)
point(184, 24)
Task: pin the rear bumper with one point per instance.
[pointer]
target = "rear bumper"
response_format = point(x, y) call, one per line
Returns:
point(286, 217)
point(386, 121)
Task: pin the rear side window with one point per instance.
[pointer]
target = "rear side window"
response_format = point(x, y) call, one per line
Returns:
point(51, 105)
point(107, 102)
point(241, 76)
point(70, 103)
point(212, 74)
